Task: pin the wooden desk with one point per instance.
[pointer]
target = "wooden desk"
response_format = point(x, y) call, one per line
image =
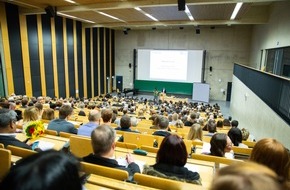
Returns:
point(57, 141)
point(204, 168)
point(114, 184)
point(90, 186)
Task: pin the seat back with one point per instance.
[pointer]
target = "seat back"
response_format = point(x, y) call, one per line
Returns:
point(21, 152)
point(162, 183)
point(65, 134)
point(242, 151)
point(104, 171)
point(1, 145)
point(50, 132)
point(5, 160)
point(149, 148)
point(80, 146)
point(126, 145)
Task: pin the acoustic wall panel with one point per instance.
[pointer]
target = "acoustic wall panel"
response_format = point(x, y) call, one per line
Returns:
point(80, 58)
point(102, 62)
point(88, 58)
point(70, 53)
point(95, 58)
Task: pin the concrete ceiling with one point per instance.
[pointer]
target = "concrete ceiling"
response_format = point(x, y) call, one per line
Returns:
point(205, 12)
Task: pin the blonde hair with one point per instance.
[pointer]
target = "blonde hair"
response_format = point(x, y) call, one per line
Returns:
point(245, 175)
point(30, 114)
point(195, 132)
point(48, 114)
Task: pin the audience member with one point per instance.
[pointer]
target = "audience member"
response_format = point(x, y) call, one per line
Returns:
point(48, 114)
point(94, 121)
point(220, 144)
point(235, 135)
point(191, 120)
point(234, 123)
point(219, 124)
point(195, 132)
point(170, 160)
point(211, 127)
point(245, 175)
point(163, 127)
point(273, 154)
point(48, 170)
point(125, 124)
point(82, 107)
point(8, 129)
point(62, 124)
point(103, 143)
point(107, 115)
point(39, 106)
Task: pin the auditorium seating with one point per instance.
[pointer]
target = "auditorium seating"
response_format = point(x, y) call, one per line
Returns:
point(80, 146)
point(21, 152)
point(5, 160)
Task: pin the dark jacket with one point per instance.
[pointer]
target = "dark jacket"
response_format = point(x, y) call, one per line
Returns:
point(93, 159)
point(177, 173)
point(161, 133)
point(11, 140)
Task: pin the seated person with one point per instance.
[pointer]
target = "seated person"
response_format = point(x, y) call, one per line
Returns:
point(8, 129)
point(236, 137)
point(103, 143)
point(191, 120)
point(245, 175)
point(273, 154)
point(195, 132)
point(211, 127)
point(62, 124)
point(170, 160)
point(82, 107)
point(48, 114)
point(163, 127)
point(125, 124)
point(220, 144)
point(94, 121)
point(45, 170)
point(107, 115)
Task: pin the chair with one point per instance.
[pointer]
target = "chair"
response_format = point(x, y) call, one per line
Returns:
point(242, 152)
point(51, 132)
point(215, 159)
point(162, 183)
point(104, 171)
point(5, 160)
point(65, 134)
point(80, 146)
point(249, 144)
point(126, 145)
point(149, 148)
point(1, 145)
point(188, 144)
point(21, 152)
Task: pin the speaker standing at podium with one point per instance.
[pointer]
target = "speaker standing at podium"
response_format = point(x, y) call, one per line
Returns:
point(164, 90)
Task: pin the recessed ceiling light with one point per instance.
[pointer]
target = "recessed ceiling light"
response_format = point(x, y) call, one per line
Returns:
point(236, 10)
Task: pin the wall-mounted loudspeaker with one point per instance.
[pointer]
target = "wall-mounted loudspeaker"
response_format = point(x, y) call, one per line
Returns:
point(181, 5)
point(50, 11)
point(210, 68)
point(130, 65)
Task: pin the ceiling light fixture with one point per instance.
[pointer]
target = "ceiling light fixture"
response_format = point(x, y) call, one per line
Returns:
point(73, 17)
point(236, 10)
point(189, 15)
point(70, 1)
point(137, 8)
point(146, 14)
point(110, 16)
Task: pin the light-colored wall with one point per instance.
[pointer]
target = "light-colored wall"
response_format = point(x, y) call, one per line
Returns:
point(253, 114)
point(224, 46)
point(275, 34)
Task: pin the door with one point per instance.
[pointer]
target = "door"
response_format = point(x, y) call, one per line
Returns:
point(119, 83)
point(229, 91)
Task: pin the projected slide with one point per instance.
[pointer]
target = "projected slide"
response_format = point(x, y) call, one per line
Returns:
point(170, 65)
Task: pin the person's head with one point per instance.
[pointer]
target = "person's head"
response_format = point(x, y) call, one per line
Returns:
point(8, 119)
point(174, 117)
point(172, 151)
point(219, 124)
point(45, 170)
point(211, 126)
point(134, 121)
point(179, 124)
point(103, 140)
point(30, 114)
point(40, 99)
point(234, 123)
point(125, 122)
point(227, 122)
point(220, 143)
point(245, 175)
point(272, 154)
point(107, 115)
point(192, 116)
point(163, 123)
point(235, 135)
point(24, 102)
point(65, 111)
point(48, 114)
point(94, 116)
point(195, 132)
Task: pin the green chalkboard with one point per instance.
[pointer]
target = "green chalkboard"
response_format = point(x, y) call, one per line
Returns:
point(171, 87)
